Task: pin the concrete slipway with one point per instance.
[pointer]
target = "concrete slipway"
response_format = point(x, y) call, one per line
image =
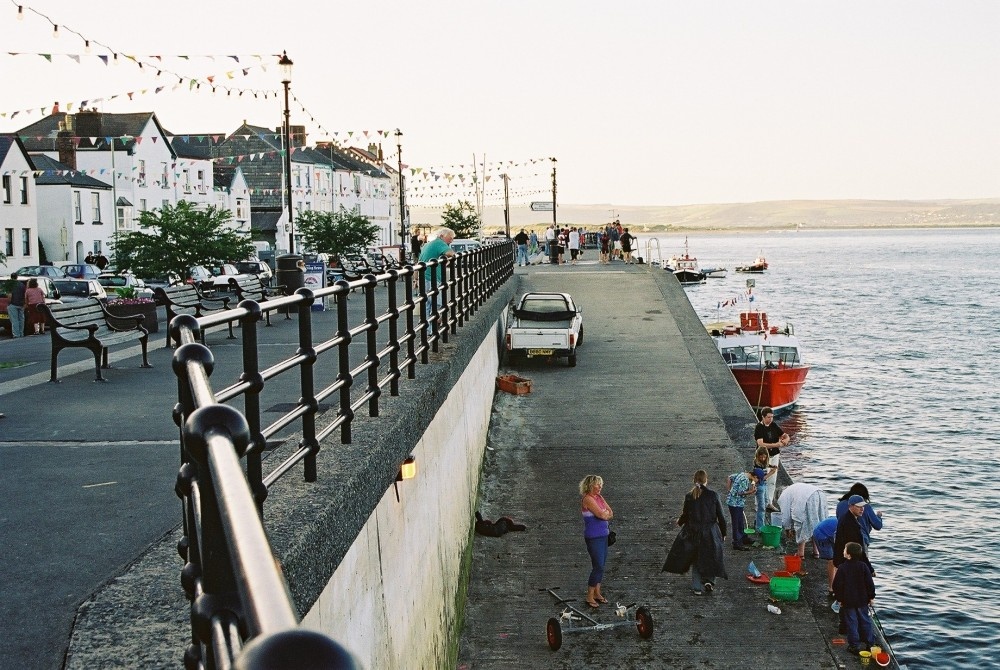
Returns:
point(649, 402)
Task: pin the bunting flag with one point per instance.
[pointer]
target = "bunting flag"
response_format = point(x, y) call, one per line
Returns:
point(740, 298)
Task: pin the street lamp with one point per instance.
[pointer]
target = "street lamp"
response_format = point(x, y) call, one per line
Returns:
point(402, 192)
point(285, 63)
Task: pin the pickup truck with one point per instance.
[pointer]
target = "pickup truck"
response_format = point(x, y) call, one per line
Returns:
point(545, 325)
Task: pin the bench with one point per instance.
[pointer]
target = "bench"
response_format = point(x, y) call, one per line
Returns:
point(87, 324)
point(252, 288)
point(188, 299)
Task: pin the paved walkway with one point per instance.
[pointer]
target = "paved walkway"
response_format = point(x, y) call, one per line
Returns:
point(648, 403)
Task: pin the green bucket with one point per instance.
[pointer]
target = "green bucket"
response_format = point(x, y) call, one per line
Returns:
point(771, 536)
point(785, 588)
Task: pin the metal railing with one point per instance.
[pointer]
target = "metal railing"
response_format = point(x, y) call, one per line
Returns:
point(237, 591)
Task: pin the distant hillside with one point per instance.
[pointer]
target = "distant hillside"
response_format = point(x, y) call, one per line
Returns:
point(759, 215)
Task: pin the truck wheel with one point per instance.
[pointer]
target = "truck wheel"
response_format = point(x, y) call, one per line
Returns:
point(572, 360)
point(553, 633)
point(579, 339)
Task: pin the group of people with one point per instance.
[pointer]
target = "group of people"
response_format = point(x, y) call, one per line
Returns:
point(98, 259)
point(842, 540)
point(25, 301)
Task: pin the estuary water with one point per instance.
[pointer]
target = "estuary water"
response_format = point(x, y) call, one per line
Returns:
point(900, 328)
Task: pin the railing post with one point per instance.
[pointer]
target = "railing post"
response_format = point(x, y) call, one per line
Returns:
point(394, 374)
point(411, 334)
point(307, 386)
point(424, 313)
point(435, 296)
point(371, 333)
point(251, 401)
point(344, 372)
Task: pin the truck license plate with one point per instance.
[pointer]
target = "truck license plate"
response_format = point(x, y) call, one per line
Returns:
point(539, 352)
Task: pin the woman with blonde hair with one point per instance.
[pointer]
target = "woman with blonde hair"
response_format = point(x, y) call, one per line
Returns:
point(699, 545)
point(596, 514)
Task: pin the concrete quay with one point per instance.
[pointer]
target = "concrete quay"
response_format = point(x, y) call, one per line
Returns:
point(649, 402)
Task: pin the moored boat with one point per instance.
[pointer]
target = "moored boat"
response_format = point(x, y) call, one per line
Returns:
point(765, 359)
point(758, 266)
point(685, 268)
point(715, 273)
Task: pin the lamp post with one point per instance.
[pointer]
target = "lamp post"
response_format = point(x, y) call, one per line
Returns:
point(555, 221)
point(402, 192)
point(285, 63)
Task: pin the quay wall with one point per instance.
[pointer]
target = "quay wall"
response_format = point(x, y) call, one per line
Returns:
point(384, 578)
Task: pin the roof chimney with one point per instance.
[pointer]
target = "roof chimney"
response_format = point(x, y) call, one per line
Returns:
point(64, 143)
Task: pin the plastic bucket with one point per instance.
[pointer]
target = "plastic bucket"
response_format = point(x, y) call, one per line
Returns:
point(771, 536)
point(882, 658)
point(866, 657)
point(785, 588)
point(793, 563)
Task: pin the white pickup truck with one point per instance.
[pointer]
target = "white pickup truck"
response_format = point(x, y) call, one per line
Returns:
point(545, 325)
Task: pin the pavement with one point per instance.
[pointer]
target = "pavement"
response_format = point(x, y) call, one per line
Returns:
point(649, 402)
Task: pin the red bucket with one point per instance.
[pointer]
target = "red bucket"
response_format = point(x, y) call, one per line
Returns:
point(793, 563)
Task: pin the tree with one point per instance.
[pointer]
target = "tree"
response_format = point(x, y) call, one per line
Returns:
point(175, 238)
point(462, 219)
point(343, 232)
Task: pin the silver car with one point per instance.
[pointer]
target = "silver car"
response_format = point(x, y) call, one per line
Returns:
point(74, 290)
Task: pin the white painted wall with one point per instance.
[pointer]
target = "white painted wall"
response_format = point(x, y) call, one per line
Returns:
point(391, 601)
point(16, 217)
point(61, 231)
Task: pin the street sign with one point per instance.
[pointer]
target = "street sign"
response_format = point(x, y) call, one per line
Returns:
point(541, 206)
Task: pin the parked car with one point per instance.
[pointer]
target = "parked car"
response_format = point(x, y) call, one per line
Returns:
point(81, 271)
point(462, 245)
point(222, 273)
point(40, 271)
point(75, 290)
point(546, 325)
point(112, 282)
point(256, 267)
point(44, 283)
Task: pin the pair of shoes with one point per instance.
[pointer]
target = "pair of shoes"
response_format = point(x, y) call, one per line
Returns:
point(852, 650)
point(593, 605)
point(601, 599)
point(709, 587)
point(696, 592)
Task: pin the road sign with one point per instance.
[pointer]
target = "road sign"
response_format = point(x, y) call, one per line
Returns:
point(541, 206)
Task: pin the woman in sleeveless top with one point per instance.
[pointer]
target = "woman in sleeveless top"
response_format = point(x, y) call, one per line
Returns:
point(596, 514)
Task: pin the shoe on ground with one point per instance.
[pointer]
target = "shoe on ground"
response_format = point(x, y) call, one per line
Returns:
point(773, 508)
point(695, 592)
point(852, 650)
point(709, 587)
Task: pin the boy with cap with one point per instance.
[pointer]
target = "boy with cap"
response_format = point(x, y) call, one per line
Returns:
point(740, 485)
point(854, 587)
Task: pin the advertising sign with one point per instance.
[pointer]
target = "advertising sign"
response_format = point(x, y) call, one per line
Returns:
point(315, 279)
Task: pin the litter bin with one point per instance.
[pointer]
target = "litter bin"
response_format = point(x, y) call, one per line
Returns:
point(288, 273)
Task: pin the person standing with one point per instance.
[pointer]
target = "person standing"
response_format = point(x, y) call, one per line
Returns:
point(15, 309)
point(616, 241)
point(550, 244)
point(605, 242)
point(574, 244)
point(34, 298)
point(521, 240)
point(89, 260)
point(627, 239)
point(596, 515)
point(532, 243)
point(437, 248)
point(769, 434)
point(700, 543)
point(803, 507)
point(849, 530)
point(740, 485)
point(870, 519)
point(101, 261)
point(760, 462)
point(854, 587)
point(415, 245)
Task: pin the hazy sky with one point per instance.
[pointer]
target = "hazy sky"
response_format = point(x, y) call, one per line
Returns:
point(659, 102)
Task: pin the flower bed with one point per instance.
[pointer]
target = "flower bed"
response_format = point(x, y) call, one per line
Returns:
point(130, 306)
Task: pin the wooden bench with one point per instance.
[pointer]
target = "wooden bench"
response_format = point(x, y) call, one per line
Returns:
point(188, 299)
point(87, 324)
point(252, 288)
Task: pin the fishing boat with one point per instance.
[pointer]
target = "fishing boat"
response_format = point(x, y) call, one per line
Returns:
point(758, 266)
point(715, 273)
point(685, 268)
point(765, 359)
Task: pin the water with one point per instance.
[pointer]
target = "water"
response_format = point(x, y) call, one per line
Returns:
point(900, 330)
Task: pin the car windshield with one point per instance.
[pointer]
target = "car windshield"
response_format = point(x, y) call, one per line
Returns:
point(73, 288)
point(30, 271)
point(248, 268)
point(113, 282)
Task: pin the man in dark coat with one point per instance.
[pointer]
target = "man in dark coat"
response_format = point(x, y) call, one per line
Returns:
point(849, 530)
point(700, 543)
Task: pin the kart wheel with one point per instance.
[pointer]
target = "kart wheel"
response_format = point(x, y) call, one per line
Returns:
point(644, 622)
point(553, 634)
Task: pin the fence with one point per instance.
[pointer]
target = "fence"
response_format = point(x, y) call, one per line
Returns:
point(237, 592)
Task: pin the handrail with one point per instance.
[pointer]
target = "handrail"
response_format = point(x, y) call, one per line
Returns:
point(649, 253)
point(237, 591)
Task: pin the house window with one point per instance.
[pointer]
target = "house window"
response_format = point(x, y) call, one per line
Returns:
point(298, 177)
point(26, 241)
point(357, 184)
point(308, 179)
point(95, 206)
point(166, 203)
point(186, 180)
point(142, 204)
point(201, 181)
point(165, 176)
point(24, 190)
point(77, 207)
point(142, 173)
point(124, 217)
point(8, 242)
point(241, 209)
point(6, 189)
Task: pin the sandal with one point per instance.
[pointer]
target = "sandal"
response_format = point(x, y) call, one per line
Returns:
point(601, 599)
point(593, 605)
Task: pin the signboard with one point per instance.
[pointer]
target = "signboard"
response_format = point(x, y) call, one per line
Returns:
point(541, 206)
point(315, 279)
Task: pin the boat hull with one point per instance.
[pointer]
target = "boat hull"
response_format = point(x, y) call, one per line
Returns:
point(689, 277)
point(777, 388)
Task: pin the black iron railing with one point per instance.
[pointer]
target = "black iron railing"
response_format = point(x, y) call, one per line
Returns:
point(237, 591)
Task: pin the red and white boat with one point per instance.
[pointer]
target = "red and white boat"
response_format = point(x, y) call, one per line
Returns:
point(764, 358)
point(758, 266)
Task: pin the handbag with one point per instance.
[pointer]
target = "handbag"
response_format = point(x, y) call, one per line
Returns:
point(612, 538)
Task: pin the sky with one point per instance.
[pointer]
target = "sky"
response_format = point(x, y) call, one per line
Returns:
point(641, 103)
